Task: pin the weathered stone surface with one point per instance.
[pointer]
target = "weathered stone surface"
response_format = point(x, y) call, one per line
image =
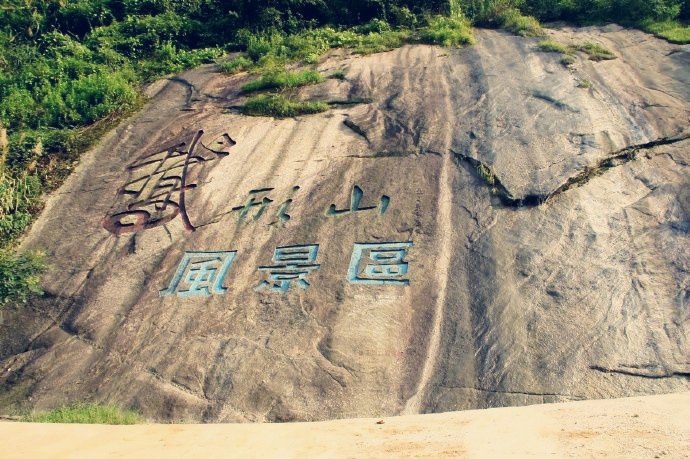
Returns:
point(543, 227)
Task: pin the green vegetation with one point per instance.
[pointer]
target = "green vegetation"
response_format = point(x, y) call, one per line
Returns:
point(379, 42)
point(283, 79)
point(337, 75)
point(673, 31)
point(236, 65)
point(551, 46)
point(447, 31)
point(280, 107)
point(486, 174)
point(525, 26)
point(19, 275)
point(595, 51)
point(87, 413)
point(567, 60)
point(584, 84)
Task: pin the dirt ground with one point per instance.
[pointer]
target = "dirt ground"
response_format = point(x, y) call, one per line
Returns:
point(653, 427)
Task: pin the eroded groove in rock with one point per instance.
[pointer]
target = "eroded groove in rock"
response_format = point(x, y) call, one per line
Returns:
point(640, 374)
point(484, 173)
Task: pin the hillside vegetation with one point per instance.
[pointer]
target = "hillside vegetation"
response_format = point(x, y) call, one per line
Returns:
point(70, 69)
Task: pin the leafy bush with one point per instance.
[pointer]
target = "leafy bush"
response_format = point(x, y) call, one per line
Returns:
point(487, 12)
point(236, 65)
point(283, 79)
point(19, 275)
point(170, 59)
point(18, 198)
point(516, 22)
point(280, 107)
point(379, 42)
point(87, 413)
point(447, 31)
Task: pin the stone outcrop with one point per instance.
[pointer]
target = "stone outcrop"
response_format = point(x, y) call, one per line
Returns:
point(464, 228)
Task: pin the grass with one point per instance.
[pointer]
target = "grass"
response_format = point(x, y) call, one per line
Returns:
point(672, 31)
point(338, 75)
point(279, 106)
point(584, 84)
point(283, 79)
point(87, 413)
point(236, 65)
point(567, 60)
point(595, 51)
point(20, 275)
point(552, 46)
point(379, 42)
point(447, 31)
point(486, 174)
point(525, 26)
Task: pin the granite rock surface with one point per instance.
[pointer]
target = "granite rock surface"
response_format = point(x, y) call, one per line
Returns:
point(464, 228)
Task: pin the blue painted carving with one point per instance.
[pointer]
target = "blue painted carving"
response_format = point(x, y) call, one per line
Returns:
point(379, 263)
point(355, 201)
point(200, 274)
point(294, 263)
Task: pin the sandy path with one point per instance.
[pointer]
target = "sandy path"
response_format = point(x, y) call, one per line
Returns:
point(655, 426)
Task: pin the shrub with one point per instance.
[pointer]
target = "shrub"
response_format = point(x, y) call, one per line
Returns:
point(283, 79)
point(487, 12)
point(87, 99)
point(447, 31)
point(236, 65)
point(379, 42)
point(516, 22)
point(19, 275)
point(18, 108)
point(169, 59)
point(87, 413)
point(280, 107)
point(402, 17)
point(376, 25)
point(18, 199)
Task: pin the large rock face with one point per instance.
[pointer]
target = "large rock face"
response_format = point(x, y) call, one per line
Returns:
point(473, 229)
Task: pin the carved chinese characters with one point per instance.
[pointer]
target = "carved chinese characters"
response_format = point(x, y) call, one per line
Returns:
point(203, 273)
point(155, 192)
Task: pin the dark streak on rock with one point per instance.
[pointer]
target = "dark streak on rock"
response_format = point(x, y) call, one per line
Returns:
point(350, 102)
point(555, 102)
point(514, 392)
point(670, 374)
point(356, 128)
point(616, 158)
point(191, 89)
